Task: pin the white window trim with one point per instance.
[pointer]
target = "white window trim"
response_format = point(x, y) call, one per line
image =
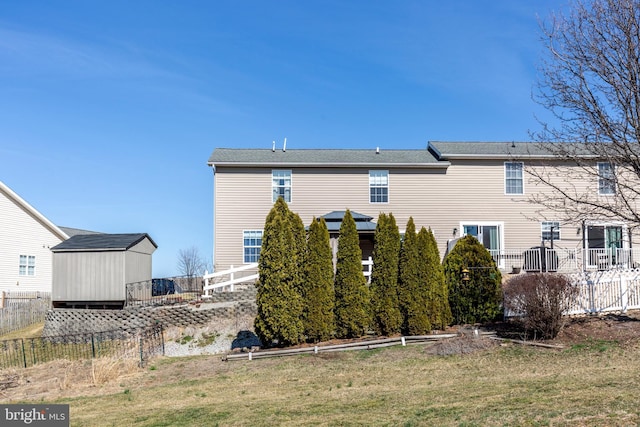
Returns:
point(542, 230)
point(369, 187)
point(290, 184)
point(505, 179)
point(612, 168)
point(499, 224)
point(26, 266)
point(625, 233)
point(243, 246)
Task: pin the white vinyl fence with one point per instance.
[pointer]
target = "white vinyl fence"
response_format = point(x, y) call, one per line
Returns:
point(607, 291)
point(21, 309)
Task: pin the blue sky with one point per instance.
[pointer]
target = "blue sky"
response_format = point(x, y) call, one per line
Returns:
point(110, 110)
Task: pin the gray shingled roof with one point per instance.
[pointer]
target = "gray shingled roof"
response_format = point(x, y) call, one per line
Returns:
point(490, 150)
point(75, 231)
point(101, 242)
point(363, 222)
point(322, 158)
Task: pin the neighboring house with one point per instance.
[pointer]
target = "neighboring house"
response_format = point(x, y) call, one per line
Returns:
point(26, 237)
point(454, 188)
point(92, 270)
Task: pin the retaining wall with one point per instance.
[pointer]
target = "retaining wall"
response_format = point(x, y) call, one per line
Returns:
point(73, 321)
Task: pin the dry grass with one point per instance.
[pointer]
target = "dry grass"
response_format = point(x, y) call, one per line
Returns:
point(592, 384)
point(108, 369)
point(31, 331)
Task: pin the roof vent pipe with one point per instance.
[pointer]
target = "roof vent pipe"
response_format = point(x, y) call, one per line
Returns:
point(377, 150)
point(284, 146)
point(273, 146)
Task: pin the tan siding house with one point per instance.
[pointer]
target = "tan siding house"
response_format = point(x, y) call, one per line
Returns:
point(452, 188)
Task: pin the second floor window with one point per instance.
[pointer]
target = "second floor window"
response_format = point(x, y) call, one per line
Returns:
point(379, 186)
point(606, 180)
point(513, 179)
point(281, 185)
point(27, 265)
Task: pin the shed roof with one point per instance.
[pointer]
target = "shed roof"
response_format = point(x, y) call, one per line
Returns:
point(101, 242)
point(238, 157)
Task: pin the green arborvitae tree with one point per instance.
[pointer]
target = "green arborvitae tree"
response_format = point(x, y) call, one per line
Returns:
point(477, 299)
point(279, 303)
point(298, 245)
point(384, 278)
point(352, 312)
point(413, 304)
point(432, 275)
point(319, 299)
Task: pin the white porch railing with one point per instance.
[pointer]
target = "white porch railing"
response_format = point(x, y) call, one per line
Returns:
point(367, 268)
point(214, 282)
point(566, 260)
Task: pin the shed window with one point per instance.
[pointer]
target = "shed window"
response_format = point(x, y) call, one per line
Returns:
point(27, 265)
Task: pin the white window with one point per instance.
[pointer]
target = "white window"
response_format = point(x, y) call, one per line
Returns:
point(252, 242)
point(513, 178)
point(490, 234)
point(606, 179)
point(550, 230)
point(379, 186)
point(281, 185)
point(27, 265)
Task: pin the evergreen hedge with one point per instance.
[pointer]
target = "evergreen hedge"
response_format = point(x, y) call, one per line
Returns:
point(352, 314)
point(431, 273)
point(412, 286)
point(479, 298)
point(318, 295)
point(279, 303)
point(387, 318)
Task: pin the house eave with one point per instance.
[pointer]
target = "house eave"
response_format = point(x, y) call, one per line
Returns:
point(440, 165)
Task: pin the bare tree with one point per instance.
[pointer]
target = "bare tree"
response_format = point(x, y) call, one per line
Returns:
point(590, 82)
point(190, 263)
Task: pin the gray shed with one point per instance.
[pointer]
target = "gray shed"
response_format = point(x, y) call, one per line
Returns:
point(92, 270)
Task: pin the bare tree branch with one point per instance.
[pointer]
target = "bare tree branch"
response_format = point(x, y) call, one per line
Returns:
point(590, 82)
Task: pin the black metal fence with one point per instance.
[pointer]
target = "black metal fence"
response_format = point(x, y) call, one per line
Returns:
point(165, 291)
point(25, 352)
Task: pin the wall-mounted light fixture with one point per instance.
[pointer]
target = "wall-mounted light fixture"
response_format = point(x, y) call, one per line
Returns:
point(455, 231)
point(465, 275)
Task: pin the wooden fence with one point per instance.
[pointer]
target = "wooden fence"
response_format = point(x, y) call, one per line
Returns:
point(21, 309)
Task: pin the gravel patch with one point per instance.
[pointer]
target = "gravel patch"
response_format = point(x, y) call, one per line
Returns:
point(218, 337)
